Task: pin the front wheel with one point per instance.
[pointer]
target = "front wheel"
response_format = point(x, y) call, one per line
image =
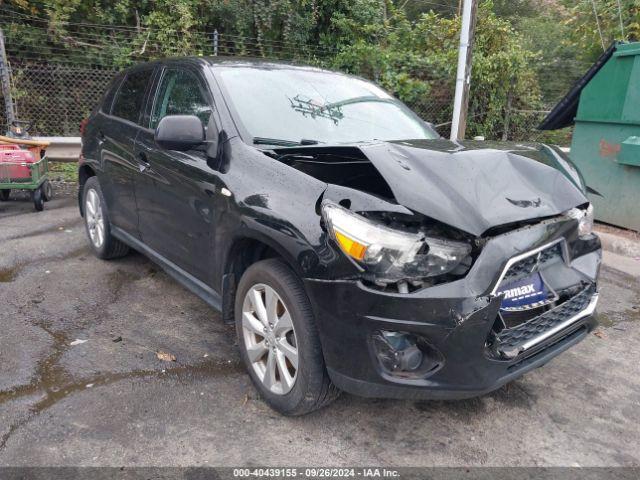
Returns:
point(279, 341)
point(4, 195)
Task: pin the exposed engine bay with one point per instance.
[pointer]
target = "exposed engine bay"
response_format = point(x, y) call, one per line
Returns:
point(385, 188)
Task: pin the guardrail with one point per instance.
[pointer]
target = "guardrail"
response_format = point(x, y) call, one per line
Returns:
point(62, 149)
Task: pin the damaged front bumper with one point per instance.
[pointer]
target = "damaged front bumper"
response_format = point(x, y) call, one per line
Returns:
point(468, 345)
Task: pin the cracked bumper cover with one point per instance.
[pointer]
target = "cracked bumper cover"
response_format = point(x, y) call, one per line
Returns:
point(456, 319)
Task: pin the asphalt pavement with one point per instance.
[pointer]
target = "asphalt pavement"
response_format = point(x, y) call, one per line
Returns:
point(81, 383)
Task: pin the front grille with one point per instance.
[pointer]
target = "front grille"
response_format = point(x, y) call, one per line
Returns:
point(512, 341)
point(533, 263)
point(522, 268)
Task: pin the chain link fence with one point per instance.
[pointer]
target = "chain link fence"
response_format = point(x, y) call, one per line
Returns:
point(57, 87)
point(56, 97)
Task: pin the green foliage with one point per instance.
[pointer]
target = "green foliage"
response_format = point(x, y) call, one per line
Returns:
point(415, 8)
point(515, 10)
point(583, 29)
point(67, 172)
point(299, 29)
point(558, 65)
point(526, 50)
point(417, 62)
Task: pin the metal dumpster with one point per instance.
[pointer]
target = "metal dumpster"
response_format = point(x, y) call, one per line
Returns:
point(606, 138)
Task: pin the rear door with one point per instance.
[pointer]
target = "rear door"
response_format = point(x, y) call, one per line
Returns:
point(117, 135)
point(175, 193)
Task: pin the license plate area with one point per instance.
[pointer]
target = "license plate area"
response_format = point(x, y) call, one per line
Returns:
point(525, 293)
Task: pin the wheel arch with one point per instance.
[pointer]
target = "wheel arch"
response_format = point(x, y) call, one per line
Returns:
point(84, 173)
point(242, 253)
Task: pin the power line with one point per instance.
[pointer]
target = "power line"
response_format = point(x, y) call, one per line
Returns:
point(136, 31)
point(595, 13)
point(436, 4)
point(621, 22)
point(110, 46)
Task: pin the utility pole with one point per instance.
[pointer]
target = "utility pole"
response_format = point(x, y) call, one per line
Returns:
point(5, 83)
point(463, 77)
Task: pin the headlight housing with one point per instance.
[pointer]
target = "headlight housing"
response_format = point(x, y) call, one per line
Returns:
point(392, 255)
point(585, 219)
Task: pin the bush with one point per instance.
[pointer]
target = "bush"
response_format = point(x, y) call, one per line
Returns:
point(417, 62)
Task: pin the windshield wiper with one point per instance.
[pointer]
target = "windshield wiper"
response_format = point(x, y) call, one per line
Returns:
point(283, 143)
point(364, 99)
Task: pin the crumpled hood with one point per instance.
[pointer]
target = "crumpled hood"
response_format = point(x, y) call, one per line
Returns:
point(474, 186)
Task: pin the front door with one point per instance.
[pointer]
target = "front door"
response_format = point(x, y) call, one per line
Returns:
point(175, 192)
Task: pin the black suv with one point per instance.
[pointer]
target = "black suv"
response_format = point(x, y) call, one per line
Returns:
point(353, 247)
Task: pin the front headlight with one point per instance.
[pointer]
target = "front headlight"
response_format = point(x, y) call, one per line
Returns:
point(585, 219)
point(392, 255)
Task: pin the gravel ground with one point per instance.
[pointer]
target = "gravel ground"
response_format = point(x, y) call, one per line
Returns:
point(80, 383)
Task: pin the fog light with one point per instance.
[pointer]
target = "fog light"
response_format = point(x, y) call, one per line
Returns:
point(397, 351)
point(404, 355)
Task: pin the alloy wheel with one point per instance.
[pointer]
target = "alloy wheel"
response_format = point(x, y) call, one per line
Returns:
point(270, 339)
point(94, 218)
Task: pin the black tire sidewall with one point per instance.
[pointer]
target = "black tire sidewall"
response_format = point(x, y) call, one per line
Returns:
point(38, 199)
point(47, 190)
point(285, 282)
point(93, 184)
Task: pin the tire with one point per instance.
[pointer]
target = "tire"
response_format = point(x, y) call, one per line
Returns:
point(108, 247)
point(312, 389)
point(4, 195)
point(38, 199)
point(47, 190)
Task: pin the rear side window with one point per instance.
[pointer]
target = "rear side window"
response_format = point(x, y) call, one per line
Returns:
point(107, 99)
point(180, 93)
point(130, 98)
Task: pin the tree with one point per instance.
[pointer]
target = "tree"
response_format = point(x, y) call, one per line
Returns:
point(528, 53)
point(583, 28)
point(416, 60)
point(274, 28)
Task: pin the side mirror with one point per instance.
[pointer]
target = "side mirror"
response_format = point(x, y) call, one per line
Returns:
point(179, 132)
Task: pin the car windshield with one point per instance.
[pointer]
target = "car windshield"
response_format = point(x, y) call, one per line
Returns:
point(292, 106)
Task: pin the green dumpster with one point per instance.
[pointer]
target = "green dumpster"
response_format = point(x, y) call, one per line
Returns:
point(605, 105)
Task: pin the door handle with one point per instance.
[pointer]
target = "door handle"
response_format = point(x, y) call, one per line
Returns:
point(144, 164)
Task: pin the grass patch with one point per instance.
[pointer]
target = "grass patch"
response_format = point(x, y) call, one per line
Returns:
point(66, 171)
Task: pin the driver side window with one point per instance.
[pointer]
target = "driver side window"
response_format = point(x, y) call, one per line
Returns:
point(180, 93)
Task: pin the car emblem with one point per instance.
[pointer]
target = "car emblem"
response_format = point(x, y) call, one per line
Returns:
point(535, 203)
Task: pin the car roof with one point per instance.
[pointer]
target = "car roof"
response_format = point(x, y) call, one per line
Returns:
point(228, 61)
